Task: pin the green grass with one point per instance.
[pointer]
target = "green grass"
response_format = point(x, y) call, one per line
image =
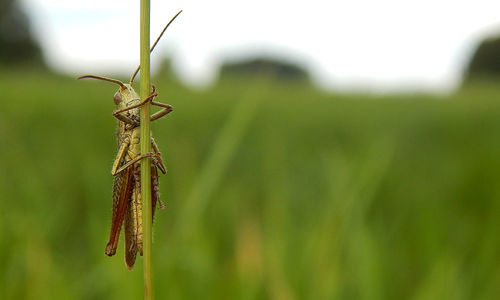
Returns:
point(274, 191)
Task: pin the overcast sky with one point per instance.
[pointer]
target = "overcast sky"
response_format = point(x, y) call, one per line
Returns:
point(373, 45)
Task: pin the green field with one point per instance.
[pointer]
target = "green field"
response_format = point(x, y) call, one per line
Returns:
point(274, 191)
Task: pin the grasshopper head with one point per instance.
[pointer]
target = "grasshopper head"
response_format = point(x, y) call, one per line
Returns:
point(124, 94)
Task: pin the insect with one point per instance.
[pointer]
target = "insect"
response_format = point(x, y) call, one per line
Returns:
point(127, 197)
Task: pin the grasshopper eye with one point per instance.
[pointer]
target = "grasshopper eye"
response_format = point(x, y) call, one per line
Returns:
point(117, 98)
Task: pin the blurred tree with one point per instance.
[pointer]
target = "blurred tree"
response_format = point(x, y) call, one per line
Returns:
point(17, 45)
point(486, 60)
point(165, 71)
point(264, 66)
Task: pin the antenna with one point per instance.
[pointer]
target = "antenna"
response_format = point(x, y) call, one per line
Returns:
point(154, 45)
point(102, 78)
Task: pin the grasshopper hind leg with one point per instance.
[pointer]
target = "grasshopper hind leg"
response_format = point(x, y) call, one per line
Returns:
point(155, 191)
point(158, 161)
point(122, 189)
point(133, 222)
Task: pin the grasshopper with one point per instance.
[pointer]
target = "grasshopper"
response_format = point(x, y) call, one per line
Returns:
point(127, 197)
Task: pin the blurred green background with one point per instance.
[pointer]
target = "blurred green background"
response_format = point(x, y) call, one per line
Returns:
point(275, 189)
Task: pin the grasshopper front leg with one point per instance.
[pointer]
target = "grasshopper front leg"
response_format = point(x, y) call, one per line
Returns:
point(126, 119)
point(166, 108)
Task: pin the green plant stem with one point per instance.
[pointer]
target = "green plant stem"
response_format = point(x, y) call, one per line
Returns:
point(146, 148)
